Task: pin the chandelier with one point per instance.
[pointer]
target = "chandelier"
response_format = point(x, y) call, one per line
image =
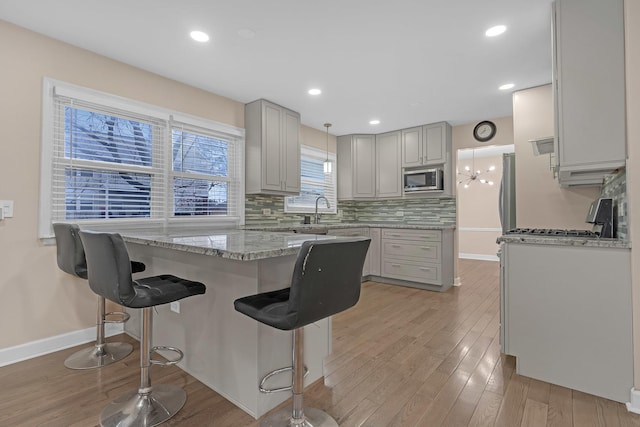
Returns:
point(471, 174)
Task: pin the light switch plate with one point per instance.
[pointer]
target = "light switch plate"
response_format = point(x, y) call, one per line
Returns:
point(7, 208)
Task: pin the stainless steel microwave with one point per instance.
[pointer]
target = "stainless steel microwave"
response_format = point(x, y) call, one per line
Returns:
point(423, 180)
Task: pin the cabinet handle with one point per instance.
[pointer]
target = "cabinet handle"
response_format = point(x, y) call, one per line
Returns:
point(395, 246)
point(427, 249)
point(425, 269)
point(395, 265)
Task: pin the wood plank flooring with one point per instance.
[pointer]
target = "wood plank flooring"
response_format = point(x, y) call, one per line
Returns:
point(401, 357)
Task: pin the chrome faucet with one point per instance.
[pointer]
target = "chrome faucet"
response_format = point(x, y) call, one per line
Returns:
point(317, 218)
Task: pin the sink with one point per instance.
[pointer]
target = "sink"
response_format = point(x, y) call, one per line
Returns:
point(310, 230)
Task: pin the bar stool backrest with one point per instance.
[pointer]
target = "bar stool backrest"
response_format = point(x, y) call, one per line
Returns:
point(109, 266)
point(326, 279)
point(70, 252)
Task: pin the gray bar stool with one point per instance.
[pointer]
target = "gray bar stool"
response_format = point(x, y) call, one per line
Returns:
point(110, 276)
point(326, 280)
point(71, 259)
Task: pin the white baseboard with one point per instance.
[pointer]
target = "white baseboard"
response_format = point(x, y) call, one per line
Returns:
point(479, 257)
point(634, 404)
point(44, 346)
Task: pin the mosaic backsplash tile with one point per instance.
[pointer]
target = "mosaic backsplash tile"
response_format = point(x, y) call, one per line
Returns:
point(440, 211)
point(615, 186)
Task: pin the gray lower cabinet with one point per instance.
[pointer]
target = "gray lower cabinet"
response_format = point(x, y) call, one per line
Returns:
point(589, 89)
point(566, 316)
point(272, 149)
point(418, 258)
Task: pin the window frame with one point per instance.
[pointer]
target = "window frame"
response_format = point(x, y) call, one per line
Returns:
point(321, 155)
point(166, 221)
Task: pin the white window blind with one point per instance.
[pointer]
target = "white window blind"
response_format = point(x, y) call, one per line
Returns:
point(314, 183)
point(105, 163)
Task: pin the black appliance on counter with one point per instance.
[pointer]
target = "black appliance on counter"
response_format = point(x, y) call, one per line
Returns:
point(601, 215)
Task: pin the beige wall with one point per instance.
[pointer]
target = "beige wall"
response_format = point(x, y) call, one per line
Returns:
point(317, 138)
point(540, 201)
point(632, 59)
point(478, 208)
point(38, 300)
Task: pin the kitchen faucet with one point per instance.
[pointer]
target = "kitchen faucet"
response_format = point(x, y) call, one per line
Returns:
point(317, 218)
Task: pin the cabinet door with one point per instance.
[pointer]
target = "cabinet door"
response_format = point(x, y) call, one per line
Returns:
point(291, 152)
point(364, 161)
point(374, 252)
point(271, 141)
point(590, 87)
point(435, 144)
point(388, 179)
point(412, 147)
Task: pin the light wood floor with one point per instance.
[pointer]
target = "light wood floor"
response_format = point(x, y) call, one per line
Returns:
point(401, 357)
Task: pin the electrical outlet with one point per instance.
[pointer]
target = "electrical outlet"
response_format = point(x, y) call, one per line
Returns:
point(175, 307)
point(340, 212)
point(266, 211)
point(7, 208)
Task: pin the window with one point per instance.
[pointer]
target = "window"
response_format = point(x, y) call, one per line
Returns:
point(109, 160)
point(313, 183)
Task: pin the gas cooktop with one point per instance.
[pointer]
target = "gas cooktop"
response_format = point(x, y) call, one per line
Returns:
point(553, 232)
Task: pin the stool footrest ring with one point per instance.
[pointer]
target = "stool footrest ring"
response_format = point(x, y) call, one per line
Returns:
point(123, 317)
point(276, 372)
point(166, 362)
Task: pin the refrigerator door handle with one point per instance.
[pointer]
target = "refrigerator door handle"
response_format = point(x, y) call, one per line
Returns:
point(501, 203)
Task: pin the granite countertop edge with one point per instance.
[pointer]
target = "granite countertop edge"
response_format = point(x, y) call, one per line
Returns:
point(566, 241)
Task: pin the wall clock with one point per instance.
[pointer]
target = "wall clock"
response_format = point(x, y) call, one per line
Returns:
point(484, 131)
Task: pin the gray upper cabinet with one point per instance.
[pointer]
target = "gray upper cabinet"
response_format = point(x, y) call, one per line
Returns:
point(388, 170)
point(356, 167)
point(589, 89)
point(272, 149)
point(425, 145)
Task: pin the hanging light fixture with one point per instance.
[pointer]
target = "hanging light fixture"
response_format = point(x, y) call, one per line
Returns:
point(470, 174)
point(327, 163)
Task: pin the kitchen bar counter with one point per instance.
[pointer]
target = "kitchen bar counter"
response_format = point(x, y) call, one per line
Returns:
point(240, 245)
point(225, 350)
point(565, 241)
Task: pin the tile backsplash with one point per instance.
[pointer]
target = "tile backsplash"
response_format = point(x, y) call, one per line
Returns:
point(441, 211)
point(615, 186)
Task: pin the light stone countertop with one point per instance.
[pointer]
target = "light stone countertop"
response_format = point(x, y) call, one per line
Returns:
point(240, 245)
point(565, 241)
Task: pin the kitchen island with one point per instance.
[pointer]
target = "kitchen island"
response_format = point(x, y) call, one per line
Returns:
point(566, 311)
point(225, 350)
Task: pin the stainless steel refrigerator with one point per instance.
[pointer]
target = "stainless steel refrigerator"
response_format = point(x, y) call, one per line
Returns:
point(507, 195)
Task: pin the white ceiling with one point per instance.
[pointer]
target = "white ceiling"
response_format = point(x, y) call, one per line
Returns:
point(404, 62)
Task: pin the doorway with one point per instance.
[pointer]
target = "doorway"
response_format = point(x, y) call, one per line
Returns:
point(478, 175)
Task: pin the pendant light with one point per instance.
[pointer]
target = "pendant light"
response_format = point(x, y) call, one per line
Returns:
point(327, 163)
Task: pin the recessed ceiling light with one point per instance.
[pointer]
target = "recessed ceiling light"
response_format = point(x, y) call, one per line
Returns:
point(199, 36)
point(315, 91)
point(495, 31)
point(506, 86)
point(374, 122)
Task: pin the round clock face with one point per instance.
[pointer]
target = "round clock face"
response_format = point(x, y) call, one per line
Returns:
point(484, 131)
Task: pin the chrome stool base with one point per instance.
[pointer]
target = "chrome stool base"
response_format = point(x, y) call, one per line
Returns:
point(135, 409)
point(312, 418)
point(90, 358)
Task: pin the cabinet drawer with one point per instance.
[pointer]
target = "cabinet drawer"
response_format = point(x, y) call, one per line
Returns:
point(420, 251)
point(350, 232)
point(415, 272)
point(406, 234)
